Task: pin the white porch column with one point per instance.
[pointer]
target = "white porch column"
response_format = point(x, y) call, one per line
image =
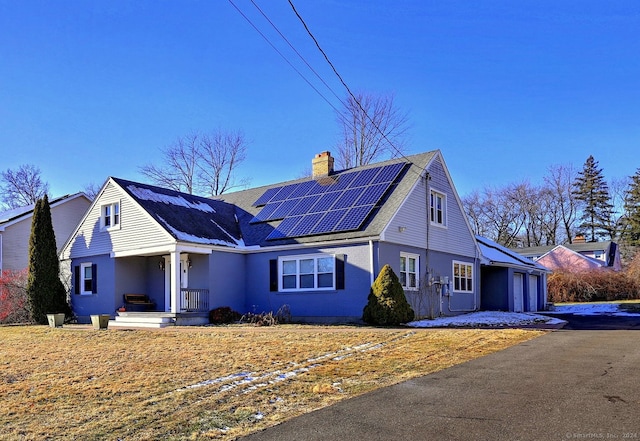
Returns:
point(175, 280)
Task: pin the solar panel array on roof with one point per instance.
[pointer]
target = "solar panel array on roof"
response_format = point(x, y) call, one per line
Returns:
point(311, 207)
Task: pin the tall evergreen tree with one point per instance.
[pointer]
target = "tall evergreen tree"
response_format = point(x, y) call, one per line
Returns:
point(45, 290)
point(631, 232)
point(591, 189)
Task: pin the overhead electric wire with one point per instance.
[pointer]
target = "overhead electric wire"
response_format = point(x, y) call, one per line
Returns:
point(296, 51)
point(282, 55)
point(335, 71)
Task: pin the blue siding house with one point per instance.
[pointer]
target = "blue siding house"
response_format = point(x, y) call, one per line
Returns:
point(314, 244)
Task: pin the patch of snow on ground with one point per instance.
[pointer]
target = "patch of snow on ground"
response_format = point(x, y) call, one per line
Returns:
point(592, 309)
point(487, 318)
point(498, 318)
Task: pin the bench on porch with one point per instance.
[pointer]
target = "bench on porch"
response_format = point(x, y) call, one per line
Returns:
point(138, 302)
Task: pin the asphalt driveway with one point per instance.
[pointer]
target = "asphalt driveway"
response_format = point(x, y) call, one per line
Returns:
point(581, 382)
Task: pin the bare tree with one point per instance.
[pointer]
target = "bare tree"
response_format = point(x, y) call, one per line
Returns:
point(22, 187)
point(178, 171)
point(559, 181)
point(372, 127)
point(91, 190)
point(201, 164)
point(221, 152)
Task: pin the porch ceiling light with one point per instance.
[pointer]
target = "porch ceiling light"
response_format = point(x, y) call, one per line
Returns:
point(161, 264)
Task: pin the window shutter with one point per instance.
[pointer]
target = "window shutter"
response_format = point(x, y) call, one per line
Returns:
point(76, 279)
point(94, 276)
point(273, 275)
point(340, 258)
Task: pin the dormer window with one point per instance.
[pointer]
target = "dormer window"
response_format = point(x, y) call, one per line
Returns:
point(111, 215)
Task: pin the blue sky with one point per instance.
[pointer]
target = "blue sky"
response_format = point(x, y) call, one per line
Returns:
point(91, 89)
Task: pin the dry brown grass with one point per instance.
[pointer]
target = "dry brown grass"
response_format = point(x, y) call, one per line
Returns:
point(77, 383)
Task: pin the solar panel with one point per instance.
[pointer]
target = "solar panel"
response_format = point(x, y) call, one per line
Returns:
point(304, 205)
point(372, 194)
point(353, 218)
point(365, 177)
point(264, 214)
point(266, 196)
point(284, 229)
point(329, 221)
point(284, 193)
point(341, 203)
point(302, 189)
point(283, 210)
point(305, 225)
point(325, 202)
point(388, 173)
point(348, 197)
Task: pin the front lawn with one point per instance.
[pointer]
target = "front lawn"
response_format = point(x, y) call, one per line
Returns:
point(207, 382)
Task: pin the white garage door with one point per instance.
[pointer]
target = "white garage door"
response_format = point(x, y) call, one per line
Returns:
point(518, 292)
point(533, 293)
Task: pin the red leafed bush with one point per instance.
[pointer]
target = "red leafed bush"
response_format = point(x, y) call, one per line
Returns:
point(13, 297)
point(592, 286)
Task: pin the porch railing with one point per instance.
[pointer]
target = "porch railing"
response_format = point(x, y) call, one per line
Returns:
point(194, 300)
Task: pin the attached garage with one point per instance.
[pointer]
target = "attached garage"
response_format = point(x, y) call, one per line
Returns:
point(510, 282)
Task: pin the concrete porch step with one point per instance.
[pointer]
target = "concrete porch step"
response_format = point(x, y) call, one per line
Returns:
point(142, 320)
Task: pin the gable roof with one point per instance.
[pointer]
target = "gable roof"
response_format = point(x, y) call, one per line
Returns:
point(496, 255)
point(581, 247)
point(562, 257)
point(187, 218)
point(9, 217)
point(257, 233)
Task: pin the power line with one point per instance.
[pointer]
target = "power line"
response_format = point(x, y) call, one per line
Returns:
point(282, 55)
point(326, 57)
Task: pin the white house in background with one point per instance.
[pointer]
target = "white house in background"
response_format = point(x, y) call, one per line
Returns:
point(15, 228)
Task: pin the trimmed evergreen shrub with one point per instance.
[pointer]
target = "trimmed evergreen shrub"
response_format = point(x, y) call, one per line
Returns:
point(223, 316)
point(45, 292)
point(387, 305)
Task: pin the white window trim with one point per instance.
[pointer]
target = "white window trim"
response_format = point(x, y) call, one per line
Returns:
point(453, 277)
point(82, 279)
point(298, 258)
point(112, 226)
point(443, 195)
point(417, 272)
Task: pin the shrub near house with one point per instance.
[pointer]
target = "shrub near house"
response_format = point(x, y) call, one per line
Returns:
point(387, 304)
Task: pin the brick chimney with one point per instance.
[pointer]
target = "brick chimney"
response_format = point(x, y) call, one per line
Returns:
point(579, 239)
point(322, 164)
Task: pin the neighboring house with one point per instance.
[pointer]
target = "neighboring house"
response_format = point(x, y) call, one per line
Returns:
point(15, 228)
point(563, 258)
point(511, 282)
point(598, 255)
point(314, 245)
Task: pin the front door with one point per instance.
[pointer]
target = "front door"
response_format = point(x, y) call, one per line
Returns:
point(184, 278)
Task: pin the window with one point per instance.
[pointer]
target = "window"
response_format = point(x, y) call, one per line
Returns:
point(307, 273)
point(111, 215)
point(438, 208)
point(409, 270)
point(87, 278)
point(462, 277)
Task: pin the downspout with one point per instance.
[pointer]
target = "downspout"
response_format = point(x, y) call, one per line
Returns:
point(426, 178)
point(371, 263)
